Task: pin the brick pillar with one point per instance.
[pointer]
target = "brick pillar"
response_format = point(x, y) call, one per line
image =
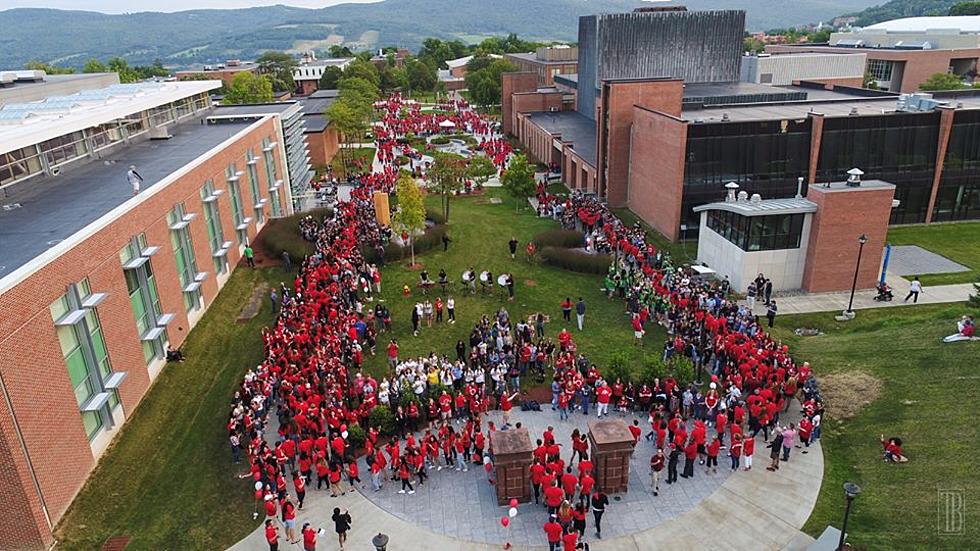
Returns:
point(843, 214)
point(512, 463)
point(816, 136)
point(945, 129)
point(612, 446)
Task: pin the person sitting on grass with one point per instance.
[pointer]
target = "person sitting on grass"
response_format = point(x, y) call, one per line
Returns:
point(174, 354)
point(965, 329)
point(893, 450)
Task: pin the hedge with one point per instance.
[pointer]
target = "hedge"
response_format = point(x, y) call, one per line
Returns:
point(565, 239)
point(439, 140)
point(282, 234)
point(402, 160)
point(576, 260)
point(382, 419)
point(436, 217)
point(430, 239)
point(356, 437)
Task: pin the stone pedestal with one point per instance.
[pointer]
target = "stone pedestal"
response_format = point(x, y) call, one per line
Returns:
point(512, 462)
point(612, 446)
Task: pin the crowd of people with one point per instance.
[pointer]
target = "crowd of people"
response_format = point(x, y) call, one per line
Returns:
point(311, 382)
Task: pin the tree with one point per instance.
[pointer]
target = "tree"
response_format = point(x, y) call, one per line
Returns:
point(247, 87)
point(869, 82)
point(483, 79)
point(518, 180)
point(447, 173)
point(393, 78)
point(36, 65)
point(363, 69)
point(121, 67)
point(350, 123)
point(94, 66)
point(965, 8)
point(974, 300)
point(338, 50)
point(410, 217)
point(480, 169)
point(421, 76)
point(278, 67)
point(332, 74)
point(942, 81)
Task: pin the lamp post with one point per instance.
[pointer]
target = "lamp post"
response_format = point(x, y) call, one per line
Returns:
point(851, 490)
point(857, 267)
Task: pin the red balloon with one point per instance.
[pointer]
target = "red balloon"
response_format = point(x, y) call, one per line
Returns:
point(488, 466)
point(513, 502)
point(258, 494)
point(504, 521)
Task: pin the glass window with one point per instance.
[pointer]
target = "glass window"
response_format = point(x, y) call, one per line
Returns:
point(212, 219)
point(145, 301)
point(758, 233)
point(253, 182)
point(235, 195)
point(180, 238)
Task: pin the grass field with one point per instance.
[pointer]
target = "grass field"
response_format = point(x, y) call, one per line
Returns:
point(959, 242)
point(363, 154)
point(479, 233)
point(928, 396)
point(167, 481)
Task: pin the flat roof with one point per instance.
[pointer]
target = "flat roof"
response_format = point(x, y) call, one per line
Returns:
point(966, 24)
point(48, 210)
point(740, 92)
point(573, 127)
point(764, 207)
point(533, 58)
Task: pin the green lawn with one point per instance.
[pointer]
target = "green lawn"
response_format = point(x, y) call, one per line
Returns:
point(363, 154)
point(479, 233)
point(959, 242)
point(167, 481)
point(928, 394)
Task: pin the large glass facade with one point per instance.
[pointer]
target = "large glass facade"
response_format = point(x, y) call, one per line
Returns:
point(764, 157)
point(959, 187)
point(899, 148)
point(758, 233)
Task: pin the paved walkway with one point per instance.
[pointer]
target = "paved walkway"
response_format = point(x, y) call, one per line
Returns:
point(457, 511)
point(864, 299)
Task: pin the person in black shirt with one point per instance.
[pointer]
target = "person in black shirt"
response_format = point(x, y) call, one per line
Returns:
point(342, 522)
point(599, 503)
point(512, 245)
point(672, 459)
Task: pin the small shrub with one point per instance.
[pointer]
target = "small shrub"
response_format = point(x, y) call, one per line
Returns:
point(382, 419)
point(565, 239)
point(282, 234)
point(439, 140)
point(652, 369)
point(356, 436)
point(576, 261)
point(619, 367)
point(436, 216)
point(431, 238)
point(402, 160)
point(682, 369)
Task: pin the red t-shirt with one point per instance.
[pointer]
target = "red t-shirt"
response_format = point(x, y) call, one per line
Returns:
point(271, 535)
point(553, 529)
point(553, 496)
point(569, 540)
point(309, 538)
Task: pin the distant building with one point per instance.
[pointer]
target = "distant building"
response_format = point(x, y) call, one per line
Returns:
point(845, 69)
point(322, 138)
point(547, 62)
point(225, 72)
point(100, 281)
point(454, 76)
point(307, 75)
point(904, 53)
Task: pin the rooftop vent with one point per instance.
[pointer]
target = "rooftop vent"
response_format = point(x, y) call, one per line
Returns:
point(732, 187)
point(756, 199)
point(854, 177)
point(743, 195)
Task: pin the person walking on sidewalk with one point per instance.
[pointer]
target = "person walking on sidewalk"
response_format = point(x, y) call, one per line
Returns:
point(750, 295)
point(914, 289)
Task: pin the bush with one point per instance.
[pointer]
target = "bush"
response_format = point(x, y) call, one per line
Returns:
point(431, 238)
point(619, 367)
point(282, 234)
point(565, 239)
point(440, 140)
point(682, 369)
point(436, 216)
point(356, 437)
point(402, 160)
point(652, 369)
point(576, 261)
point(382, 419)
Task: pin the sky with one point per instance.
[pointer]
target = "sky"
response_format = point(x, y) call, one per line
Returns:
point(120, 6)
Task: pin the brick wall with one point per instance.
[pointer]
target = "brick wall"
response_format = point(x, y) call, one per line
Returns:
point(510, 84)
point(60, 451)
point(614, 149)
point(322, 145)
point(833, 244)
point(656, 171)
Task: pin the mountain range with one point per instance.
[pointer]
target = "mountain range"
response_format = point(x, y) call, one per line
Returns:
point(193, 37)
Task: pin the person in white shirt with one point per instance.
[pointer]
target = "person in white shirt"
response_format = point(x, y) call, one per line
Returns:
point(451, 309)
point(914, 289)
point(135, 179)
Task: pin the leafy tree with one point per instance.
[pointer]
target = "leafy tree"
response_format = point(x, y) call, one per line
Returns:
point(278, 67)
point(447, 173)
point(247, 87)
point(483, 79)
point(331, 75)
point(121, 67)
point(518, 180)
point(410, 217)
point(393, 78)
point(94, 66)
point(965, 8)
point(942, 81)
point(363, 69)
point(350, 122)
point(480, 169)
point(361, 93)
point(36, 65)
point(339, 50)
point(421, 76)
point(869, 82)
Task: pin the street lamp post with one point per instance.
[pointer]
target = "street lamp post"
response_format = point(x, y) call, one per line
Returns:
point(857, 267)
point(851, 490)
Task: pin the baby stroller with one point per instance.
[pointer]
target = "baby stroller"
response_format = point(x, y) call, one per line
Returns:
point(884, 292)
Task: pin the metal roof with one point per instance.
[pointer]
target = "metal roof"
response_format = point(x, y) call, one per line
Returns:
point(762, 208)
point(960, 23)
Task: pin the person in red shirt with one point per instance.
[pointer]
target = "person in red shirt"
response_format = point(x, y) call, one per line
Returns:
point(735, 452)
point(403, 475)
point(553, 531)
point(656, 466)
point(570, 539)
point(748, 449)
point(586, 483)
point(299, 484)
point(553, 496)
point(270, 506)
point(569, 482)
point(271, 535)
point(636, 431)
point(537, 473)
point(506, 405)
point(309, 537)
point(713, 448)
point(690, 454)
point(603, 395)
point(393, 353)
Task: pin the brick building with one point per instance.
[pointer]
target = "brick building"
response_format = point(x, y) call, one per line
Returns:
point(307, 74)
point(97, 282)
point(547, 62)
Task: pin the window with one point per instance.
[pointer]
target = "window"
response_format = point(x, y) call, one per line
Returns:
point(271, 176)
point(237, 214)
point(19, 164)
point(880, 70)
point(212, 219)
point(60, 150)
point(144, 298)
point(758, 233)
point(258, 203)
point(180, 238)
point(86, 358)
